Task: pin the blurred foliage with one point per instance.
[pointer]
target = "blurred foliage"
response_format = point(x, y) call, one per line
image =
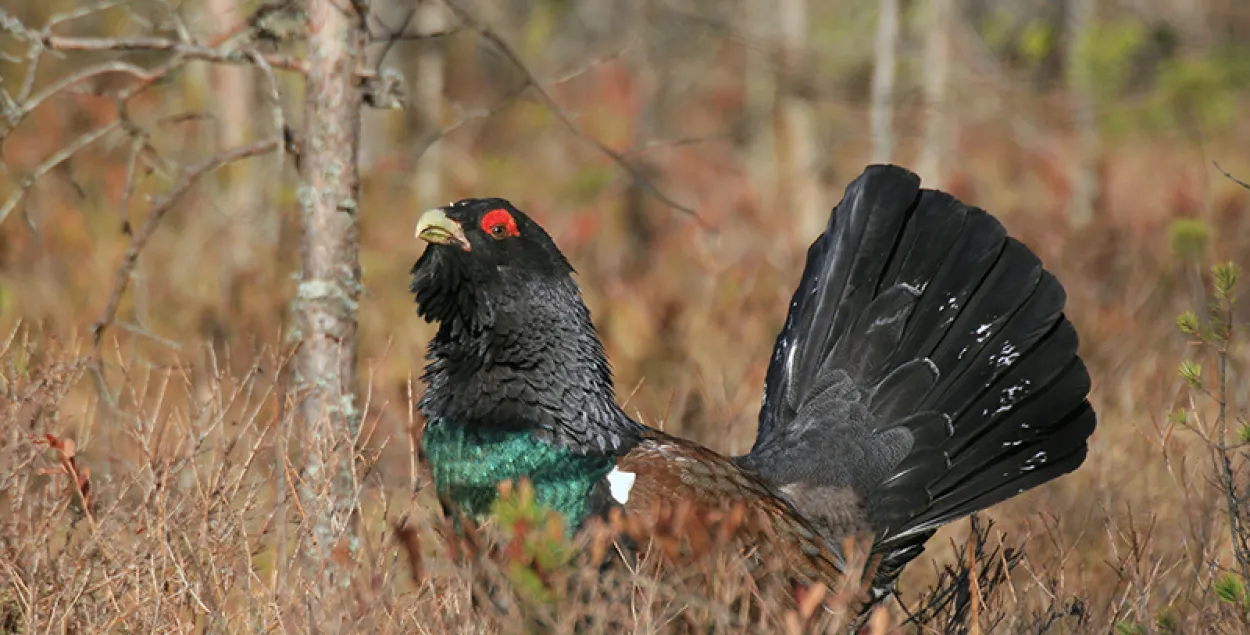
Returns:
point(1202, 92)
point(1105, 57)
point(1037, 42)
point(1134, 68)
point(1188, 237)
point(1231, 590)
point(537, 544)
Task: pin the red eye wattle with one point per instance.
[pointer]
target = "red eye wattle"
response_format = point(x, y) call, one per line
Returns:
point(499, 223)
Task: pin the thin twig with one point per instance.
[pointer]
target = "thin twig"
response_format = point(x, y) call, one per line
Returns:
point(1229, 176)
point(51, 162)
point(392, 35)
point(180, 25)
point(430, 138)
point(658, 144)
point(84, 11)
point(26, 105)
point(137, 144)
point(187, 50)
point(490, 35)
point(275, 98)
point(32, 68)
point(413, 37)
point(160, 207)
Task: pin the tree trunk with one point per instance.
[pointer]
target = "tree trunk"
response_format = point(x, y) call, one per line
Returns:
point(760, 93)
point(329, 288)
point(882, 114)
point(1084, 175)
point(937, 134)
point(429, 102)
point(795, 136)
point(247, 222)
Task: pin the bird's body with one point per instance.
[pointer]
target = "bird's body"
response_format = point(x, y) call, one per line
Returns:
point(925, 371)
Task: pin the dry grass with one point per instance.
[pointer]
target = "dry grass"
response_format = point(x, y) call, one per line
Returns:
point(190, 461)
point(150, 486)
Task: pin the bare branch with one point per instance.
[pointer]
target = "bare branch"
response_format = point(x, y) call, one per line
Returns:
point(657, 144)
point(84, 11)
point(160, 207)
point(51, 162)
point(1230, 177)
point(180, 25)
point(275, 97)
point(412, 37)
point(185, 49)
point(25, 105)
point(531, 82)
point(32, 69)
point(137, 144)
point(430, 138)
point(392, 36)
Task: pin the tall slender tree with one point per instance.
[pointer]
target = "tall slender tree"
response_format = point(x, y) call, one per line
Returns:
point(1083, 175)
point(428, 93)
point(882, 113)
point(329, 283)
point(795, 137)
point(938, 121)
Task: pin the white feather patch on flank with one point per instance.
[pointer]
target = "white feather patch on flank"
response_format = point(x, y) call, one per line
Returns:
point(620, 483)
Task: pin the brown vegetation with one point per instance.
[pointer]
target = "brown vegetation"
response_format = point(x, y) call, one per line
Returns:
point(151, 483)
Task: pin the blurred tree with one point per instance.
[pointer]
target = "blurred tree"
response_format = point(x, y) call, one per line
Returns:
point(245, 219)
point(794, 126)
point(758, 20)
point(1083, 176)
point(882, 113)
point(938, 121)
point(428, 93)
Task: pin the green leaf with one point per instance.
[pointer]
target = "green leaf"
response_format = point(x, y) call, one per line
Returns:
point(1191, 372)
point(1225, 280)
point(1188, 323)
point(1179, 416)
point(1167, 620)
point(1230, 589)
point(1036, 42)
point(1189, 237)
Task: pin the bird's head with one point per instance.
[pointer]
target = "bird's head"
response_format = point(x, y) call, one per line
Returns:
point(515, 345)
point(482, 254)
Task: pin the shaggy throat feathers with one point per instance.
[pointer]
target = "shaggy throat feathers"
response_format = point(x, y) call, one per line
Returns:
point(517, 382)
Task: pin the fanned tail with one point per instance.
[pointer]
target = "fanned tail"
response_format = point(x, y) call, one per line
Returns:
point(925, 371)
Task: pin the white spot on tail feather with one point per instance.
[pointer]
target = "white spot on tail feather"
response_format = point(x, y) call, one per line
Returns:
point(915, 290)
point(620, 483)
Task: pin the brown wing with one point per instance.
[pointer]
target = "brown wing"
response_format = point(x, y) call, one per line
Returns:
point(675, 476)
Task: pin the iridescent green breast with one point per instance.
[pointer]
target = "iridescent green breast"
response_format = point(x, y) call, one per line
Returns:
point(469, 464)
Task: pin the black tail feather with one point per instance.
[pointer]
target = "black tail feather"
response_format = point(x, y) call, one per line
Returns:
point(925, 364)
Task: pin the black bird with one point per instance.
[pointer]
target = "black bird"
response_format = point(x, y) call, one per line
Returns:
point(925, 371)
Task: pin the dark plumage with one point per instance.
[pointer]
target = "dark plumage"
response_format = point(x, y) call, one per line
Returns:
point(925, 371)
point(515, 346)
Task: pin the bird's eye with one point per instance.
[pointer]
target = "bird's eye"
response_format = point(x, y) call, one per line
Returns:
point(499, 224)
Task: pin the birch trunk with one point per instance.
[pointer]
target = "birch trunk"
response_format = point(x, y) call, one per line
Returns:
point(329, 288)
point(760, 88)
point(429, 101)
point(795, 132)
point(882, 113)
point(937, 134)
point(1083, 176)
